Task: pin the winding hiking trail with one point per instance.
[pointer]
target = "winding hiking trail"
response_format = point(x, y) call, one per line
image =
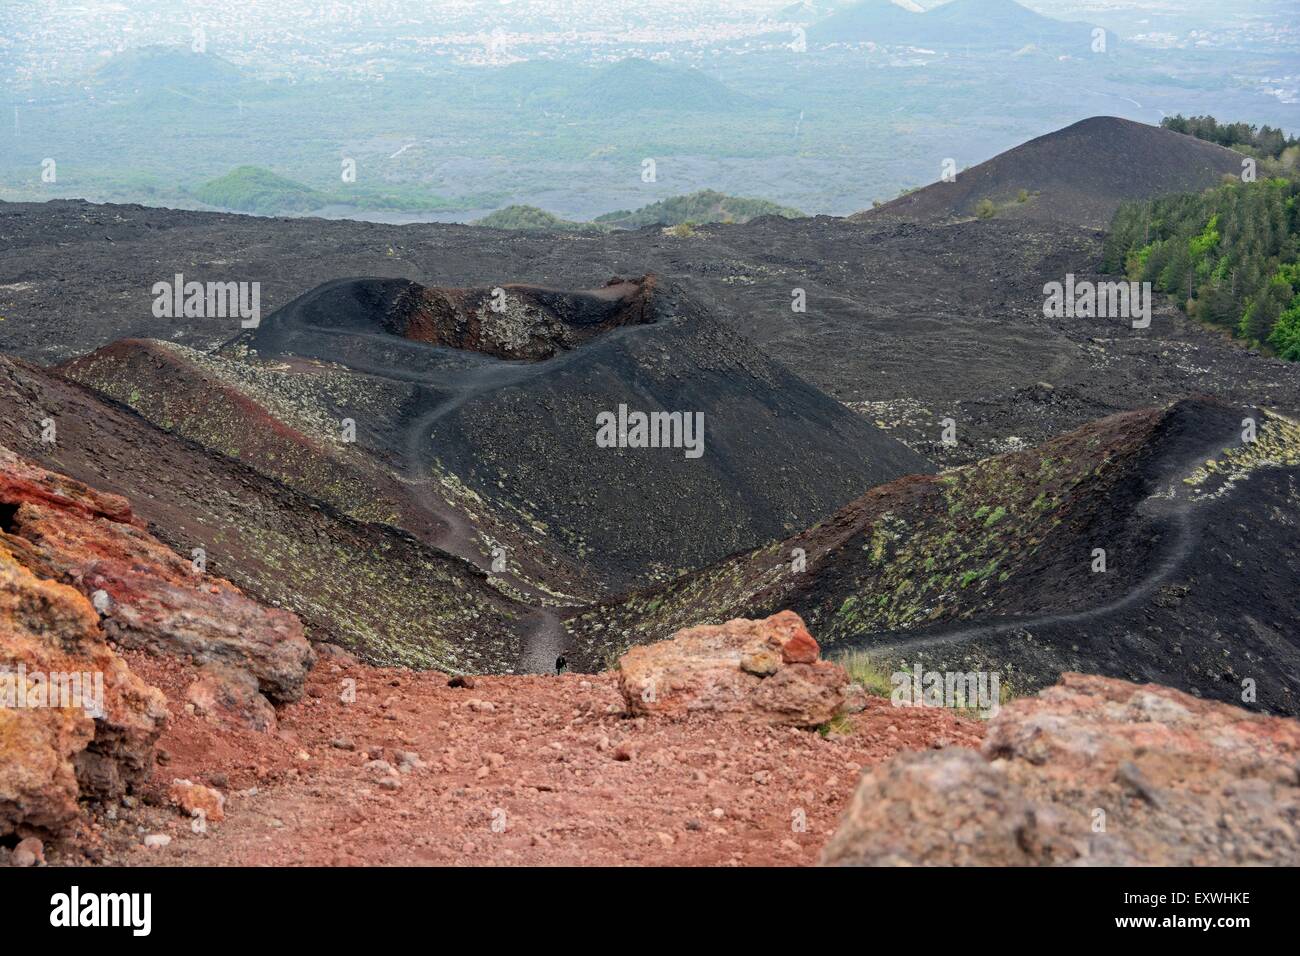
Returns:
point(453, 378)
point(322, 326)
point(1182, 547)
point(1172, 505)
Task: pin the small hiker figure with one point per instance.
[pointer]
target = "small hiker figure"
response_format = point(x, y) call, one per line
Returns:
point(560, 664)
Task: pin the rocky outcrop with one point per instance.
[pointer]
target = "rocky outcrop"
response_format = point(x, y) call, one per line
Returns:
point(147, 596)
point(79, 573)
point(766, 670)
point(74, 720)
point(1092, 771)
point(517, 322)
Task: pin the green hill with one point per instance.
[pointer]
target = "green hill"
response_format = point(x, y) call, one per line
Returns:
point(258, 190)
point(633, 85)
point(254, 189)
point(704, 206)
point(697, 208)
point(532, 218)
point(158, 66)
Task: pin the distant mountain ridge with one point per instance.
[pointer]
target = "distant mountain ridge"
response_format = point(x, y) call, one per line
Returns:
point(979, 23)
point(636, 84)
point(159, 66)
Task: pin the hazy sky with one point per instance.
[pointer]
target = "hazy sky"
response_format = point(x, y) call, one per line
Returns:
point(400, 84)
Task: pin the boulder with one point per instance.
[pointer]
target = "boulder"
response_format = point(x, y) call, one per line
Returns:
point(194, 799)
point(97, 739)
point(766, 670)
point(148, 596)
point(1092, 771)
point(229, 695)
point(28, 852)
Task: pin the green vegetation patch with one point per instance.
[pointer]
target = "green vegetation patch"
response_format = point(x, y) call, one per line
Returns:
point(1227, 256)
point(531, 218)
point(258, 190)
point(697, 208)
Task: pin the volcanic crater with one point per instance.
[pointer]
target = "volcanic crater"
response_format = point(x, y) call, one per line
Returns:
point(517, 322)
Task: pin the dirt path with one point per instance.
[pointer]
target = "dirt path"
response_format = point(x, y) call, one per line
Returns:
point(1173, 507)
point(284, 335)
point(517, 770)
point(544, 641)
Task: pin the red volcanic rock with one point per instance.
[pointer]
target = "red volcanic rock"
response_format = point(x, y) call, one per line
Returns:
point(152, 598)
point(229, 695)
point(98, 740)
point(29, 852)
point(195, 800)
point(800, 648)
point(764, 670)
point(1093, 771)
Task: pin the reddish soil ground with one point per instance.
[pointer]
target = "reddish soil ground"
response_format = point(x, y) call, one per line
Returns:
point(517, 770)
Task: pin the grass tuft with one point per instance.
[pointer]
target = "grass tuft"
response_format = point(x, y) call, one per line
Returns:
point(875, 680)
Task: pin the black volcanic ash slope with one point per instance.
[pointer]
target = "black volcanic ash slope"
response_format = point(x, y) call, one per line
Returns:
point(508, 403)
point(991, 566)
point(1077, 175)
point(910, 322)
point(365, 585)
point(284, 420)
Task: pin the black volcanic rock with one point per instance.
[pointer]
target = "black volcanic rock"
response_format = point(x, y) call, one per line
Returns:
point(909, 322)
point(1077, 175)
point(777, 454)
point(993, 567)
point(367, 586)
